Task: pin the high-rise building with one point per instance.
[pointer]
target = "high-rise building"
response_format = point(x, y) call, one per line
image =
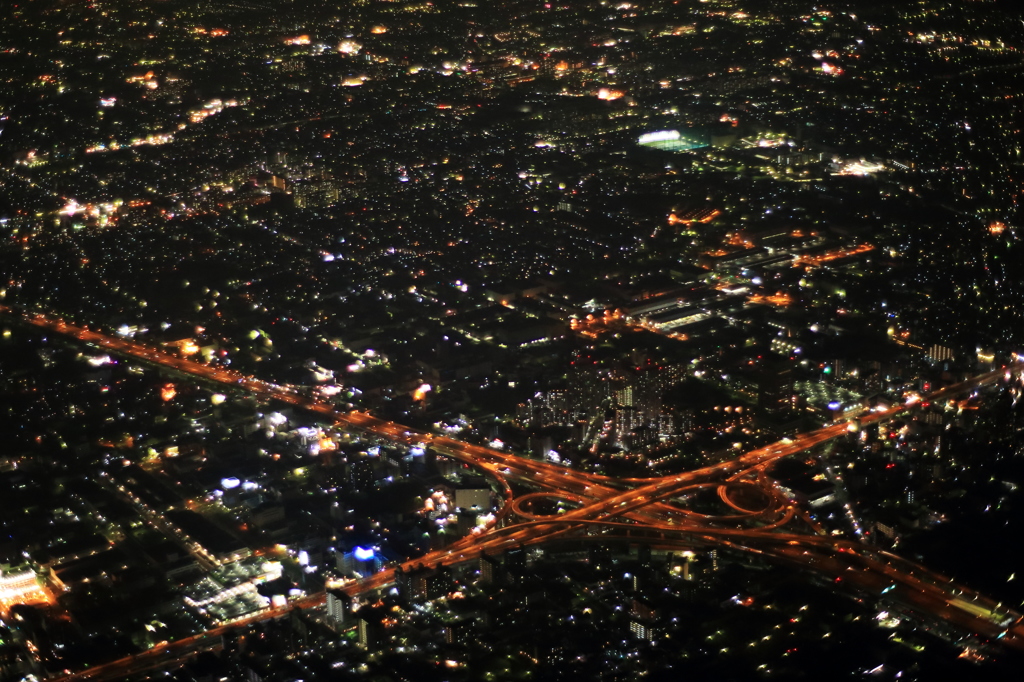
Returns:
point(357, 561)
point(775, 393)
point(362, 474)
point(339, 606)
point(490, 570)
point(370, 629)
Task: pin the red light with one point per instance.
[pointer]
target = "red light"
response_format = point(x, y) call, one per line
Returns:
point(890, 465)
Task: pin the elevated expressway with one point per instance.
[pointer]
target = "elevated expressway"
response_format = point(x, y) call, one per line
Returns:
point(761, 518)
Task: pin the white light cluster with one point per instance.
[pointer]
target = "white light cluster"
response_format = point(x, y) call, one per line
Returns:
point(659, 136)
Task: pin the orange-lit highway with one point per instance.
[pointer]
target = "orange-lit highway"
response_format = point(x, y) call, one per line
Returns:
point(653, 510)
point(167, 652)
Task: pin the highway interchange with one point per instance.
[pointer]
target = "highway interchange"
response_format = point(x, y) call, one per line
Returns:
point(651, 511)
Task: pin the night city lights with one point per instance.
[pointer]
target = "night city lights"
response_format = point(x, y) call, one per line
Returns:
point(454, 341)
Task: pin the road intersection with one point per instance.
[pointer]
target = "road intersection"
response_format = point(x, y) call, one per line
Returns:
point(651, 511)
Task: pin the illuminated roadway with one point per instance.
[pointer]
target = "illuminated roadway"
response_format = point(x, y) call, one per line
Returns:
point(638, 510)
